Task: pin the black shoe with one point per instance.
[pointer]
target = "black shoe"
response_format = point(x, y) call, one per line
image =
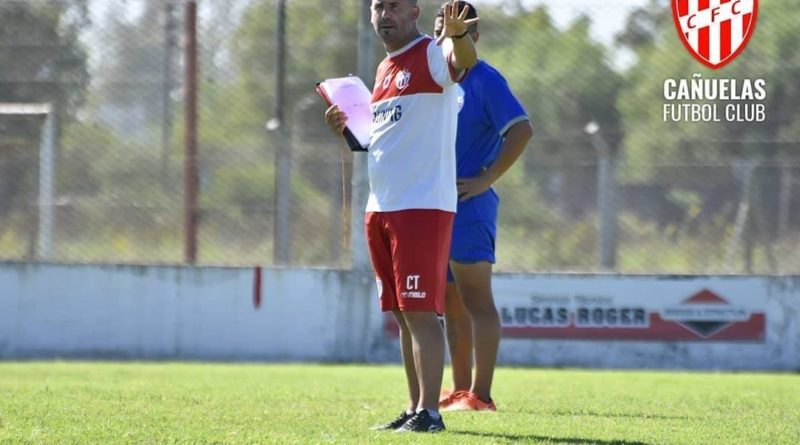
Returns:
point(394, 424)
point(422, 422)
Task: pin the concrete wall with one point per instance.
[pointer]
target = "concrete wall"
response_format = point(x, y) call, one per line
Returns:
point(97, 311)
point(176, 312)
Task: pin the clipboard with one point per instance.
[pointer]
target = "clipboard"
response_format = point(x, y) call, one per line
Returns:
point(352, 97)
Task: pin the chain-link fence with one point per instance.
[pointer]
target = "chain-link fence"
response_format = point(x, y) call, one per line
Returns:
point(608, 182)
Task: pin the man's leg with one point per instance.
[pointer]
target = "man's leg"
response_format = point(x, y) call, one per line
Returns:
point(380, 249)
point(420, 265)
point(428, 349)
point(458, 327)
point(474, 282)
point(407, 353)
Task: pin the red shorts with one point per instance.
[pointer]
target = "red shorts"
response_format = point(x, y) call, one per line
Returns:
point(409, 251)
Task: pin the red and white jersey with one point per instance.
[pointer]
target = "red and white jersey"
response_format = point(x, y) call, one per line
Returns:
point(412, 160)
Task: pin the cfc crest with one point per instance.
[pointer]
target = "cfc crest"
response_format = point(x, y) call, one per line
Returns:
point(402, 79)
point(715, 31)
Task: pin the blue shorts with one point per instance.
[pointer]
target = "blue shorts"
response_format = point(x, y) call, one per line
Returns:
point(472, 243)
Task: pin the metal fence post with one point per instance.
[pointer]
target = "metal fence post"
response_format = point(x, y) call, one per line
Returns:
point(355, 307)
point(166, 91)
point(282, 242)
point(46, 179)
point(191, 175)
point(360, 181)
point(606, 198)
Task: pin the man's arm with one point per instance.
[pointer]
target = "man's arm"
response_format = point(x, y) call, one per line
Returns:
point(516, 139)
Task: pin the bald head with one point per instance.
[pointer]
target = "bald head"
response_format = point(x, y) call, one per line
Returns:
point(395, 22)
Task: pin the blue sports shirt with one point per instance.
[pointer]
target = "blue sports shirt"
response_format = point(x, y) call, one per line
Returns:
point(489, 109)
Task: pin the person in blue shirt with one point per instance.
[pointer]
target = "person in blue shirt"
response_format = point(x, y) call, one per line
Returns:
point(493, 130)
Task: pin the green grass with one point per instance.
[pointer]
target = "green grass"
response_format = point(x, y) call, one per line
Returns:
point(156, 403)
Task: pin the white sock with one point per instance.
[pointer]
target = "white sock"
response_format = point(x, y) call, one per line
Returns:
point(409, 412)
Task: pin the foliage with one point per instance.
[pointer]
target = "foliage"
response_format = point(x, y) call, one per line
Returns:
point(41, 57)
point(772, 54)
point(680, 184)
point(41, 61)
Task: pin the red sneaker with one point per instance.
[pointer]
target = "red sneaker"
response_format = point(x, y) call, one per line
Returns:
point(471, 402)
point(447, 401)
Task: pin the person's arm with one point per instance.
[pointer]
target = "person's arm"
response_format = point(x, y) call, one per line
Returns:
point(464, 54)
point(456, 27)
point(516, 138)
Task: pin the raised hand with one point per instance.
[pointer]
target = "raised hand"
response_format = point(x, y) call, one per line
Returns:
point(454, 24)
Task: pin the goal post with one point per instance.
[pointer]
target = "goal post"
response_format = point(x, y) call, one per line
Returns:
point(44, 241)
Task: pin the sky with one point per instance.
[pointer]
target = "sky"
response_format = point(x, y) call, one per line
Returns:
point(608, 16)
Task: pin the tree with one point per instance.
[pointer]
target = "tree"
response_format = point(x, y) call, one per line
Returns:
point(770, 55)
point(41, 60)
point(131, 81)
point(318, 46)
point(565, 80)
point(704, 154)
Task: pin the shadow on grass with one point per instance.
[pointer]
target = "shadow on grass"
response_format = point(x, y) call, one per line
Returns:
point(608, 415)
point(533, 437)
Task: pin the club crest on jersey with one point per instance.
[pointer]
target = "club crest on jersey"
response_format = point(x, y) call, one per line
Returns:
point(715, 32)
point(402, 79)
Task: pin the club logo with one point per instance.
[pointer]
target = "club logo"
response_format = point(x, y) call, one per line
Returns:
point(460, 98)
point(715, 31)
point(402, 79)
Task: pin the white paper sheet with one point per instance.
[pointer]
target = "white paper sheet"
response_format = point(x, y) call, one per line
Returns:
point(353, 99)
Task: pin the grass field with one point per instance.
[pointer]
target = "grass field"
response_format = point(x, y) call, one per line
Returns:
point(189, 403)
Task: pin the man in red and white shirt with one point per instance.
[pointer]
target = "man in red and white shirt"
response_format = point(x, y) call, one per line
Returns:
point(412, 178)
